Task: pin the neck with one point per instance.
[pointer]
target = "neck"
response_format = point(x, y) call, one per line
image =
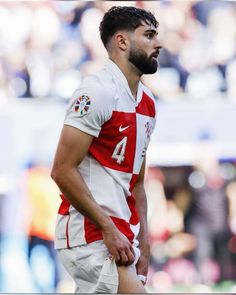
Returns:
point(130, 72)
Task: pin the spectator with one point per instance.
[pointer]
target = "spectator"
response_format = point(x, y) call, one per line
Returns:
point(207, 218)
point(43, 199)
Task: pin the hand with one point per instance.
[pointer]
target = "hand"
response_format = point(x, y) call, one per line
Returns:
point(119, 246)
point(143, 262)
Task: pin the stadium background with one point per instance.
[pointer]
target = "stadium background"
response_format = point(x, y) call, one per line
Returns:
point(45, 49)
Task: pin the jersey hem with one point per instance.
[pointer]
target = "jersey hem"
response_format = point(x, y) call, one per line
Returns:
point(62, 244)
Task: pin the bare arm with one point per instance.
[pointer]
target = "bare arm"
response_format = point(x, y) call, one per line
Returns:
point(141, 205)
point(71, 150)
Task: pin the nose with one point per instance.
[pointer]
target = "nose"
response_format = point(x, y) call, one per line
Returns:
point(157, 44)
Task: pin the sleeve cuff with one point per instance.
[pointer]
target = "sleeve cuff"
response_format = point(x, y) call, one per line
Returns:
point(82, 127)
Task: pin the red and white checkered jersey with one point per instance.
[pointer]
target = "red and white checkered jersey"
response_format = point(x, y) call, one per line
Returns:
point(104, 107)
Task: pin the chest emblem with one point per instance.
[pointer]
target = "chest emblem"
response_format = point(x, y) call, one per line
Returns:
point(148, 128)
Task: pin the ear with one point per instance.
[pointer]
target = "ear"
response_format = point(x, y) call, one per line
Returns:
point(122, 41)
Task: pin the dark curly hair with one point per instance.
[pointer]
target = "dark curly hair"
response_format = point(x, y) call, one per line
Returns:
point(124, 18)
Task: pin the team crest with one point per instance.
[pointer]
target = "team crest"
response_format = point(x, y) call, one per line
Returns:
point(82, 105)
point(148, 127)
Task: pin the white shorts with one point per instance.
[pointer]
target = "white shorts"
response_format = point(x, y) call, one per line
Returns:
point(91, 268)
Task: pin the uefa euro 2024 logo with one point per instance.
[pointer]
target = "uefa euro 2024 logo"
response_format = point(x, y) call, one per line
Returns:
point(82, 105)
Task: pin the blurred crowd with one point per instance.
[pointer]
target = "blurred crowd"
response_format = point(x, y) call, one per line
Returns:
point(46, 47)
point(192, 225)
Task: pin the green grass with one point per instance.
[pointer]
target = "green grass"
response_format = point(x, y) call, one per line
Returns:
point(222, 287)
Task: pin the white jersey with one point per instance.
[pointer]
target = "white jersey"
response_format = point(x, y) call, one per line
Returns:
point(104, 107)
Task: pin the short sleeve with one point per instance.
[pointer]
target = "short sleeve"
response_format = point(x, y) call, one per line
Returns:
point(90, 108)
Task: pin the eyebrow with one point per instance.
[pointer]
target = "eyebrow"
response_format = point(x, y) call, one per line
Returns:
point(151, 31)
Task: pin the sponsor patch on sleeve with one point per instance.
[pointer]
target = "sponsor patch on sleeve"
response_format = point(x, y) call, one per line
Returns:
point(82, 105)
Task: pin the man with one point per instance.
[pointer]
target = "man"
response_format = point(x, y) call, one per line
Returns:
point(101, 235)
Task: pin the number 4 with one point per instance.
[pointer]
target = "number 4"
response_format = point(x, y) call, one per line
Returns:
point(119, 151)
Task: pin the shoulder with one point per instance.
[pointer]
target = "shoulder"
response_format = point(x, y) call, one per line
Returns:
point(98, 89)
point(96, 96)
point(99, 85)
point(91, 105)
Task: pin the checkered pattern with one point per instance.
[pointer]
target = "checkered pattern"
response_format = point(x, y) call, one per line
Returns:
point(121, 127)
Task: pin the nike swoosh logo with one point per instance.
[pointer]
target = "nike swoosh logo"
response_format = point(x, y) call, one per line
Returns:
point(121, 129)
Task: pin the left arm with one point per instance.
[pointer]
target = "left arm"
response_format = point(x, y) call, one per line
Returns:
point(141, 205)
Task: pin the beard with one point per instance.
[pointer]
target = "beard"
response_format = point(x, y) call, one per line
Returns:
point(145, 64)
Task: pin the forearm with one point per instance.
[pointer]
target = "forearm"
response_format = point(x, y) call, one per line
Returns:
point(141, 205)
point(73, 186)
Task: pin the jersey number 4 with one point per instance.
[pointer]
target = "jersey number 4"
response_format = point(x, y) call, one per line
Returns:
point(119, 151)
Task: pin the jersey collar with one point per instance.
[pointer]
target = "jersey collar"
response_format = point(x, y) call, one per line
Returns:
point(117, 73)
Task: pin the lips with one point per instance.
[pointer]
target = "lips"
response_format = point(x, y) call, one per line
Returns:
point(155, 55)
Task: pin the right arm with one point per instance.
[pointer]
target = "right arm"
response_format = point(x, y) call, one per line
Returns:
point(72, 148)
